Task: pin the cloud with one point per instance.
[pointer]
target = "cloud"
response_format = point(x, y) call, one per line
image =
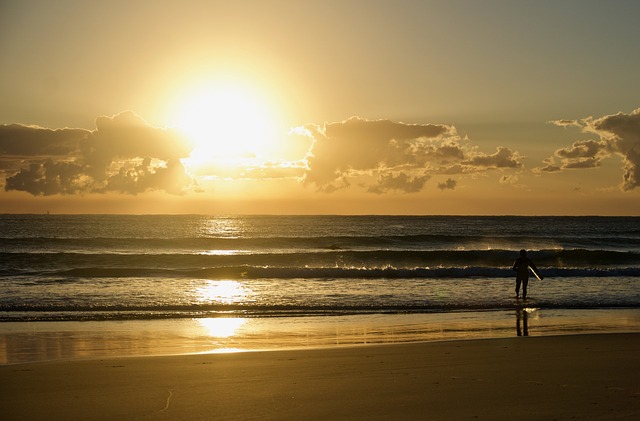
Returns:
point(269, 170)
point(619, 134)
point(622, 134)
point(169, 176)
point(503, 158)
point(123, 154)
point(450, 184)
point(584, 149)
point(401, 181)
point(17, 140)
point(126, 135)
point(582, 163)
point(49, 177)
point(566, 123)
point(397, 156)
point(581, 154)
point(509, 179)
point(550, 166)
point(362, 145)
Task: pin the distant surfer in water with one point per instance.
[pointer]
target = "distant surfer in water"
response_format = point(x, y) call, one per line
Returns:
point(521, 266)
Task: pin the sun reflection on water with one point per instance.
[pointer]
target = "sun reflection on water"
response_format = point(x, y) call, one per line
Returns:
point(222, 327)
point(223, 227)
point(218, 252)
point(222, 291)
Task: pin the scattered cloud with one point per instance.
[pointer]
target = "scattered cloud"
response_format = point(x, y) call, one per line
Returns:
point(566, 123)
point(503, 158)
point(509, 179)
point(583, 149)
point(401, 182)
point(449, 184)
point(550, 166)
point(618, 134)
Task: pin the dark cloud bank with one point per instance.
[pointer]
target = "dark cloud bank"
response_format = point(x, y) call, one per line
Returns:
point(124, 154)
point(402, 157)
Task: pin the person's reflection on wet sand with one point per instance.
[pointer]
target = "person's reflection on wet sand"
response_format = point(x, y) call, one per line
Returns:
point(521, 319)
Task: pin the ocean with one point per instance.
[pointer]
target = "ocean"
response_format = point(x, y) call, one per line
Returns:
point(143, 267)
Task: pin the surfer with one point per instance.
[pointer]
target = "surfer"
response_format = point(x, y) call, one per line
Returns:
point(521, 266)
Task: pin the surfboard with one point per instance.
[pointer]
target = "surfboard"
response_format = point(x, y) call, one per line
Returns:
point(535, 274)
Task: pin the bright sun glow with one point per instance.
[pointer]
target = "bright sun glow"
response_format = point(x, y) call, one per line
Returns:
point(222, 327)
point(223, 292)
point(226, 123)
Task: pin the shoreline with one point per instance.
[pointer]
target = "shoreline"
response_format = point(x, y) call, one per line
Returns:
point(583, 376)
point(32, 342)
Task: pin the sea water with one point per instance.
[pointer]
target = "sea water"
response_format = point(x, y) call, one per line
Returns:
point(302, 269)
point(97, 267)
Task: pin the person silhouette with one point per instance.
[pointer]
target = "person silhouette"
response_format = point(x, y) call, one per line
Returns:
point(522, 316)
point(521, 266)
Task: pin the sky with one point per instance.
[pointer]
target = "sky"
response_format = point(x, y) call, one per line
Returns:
point(469, 107)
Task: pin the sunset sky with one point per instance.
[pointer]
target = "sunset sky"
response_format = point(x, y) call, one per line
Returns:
point(320, 107)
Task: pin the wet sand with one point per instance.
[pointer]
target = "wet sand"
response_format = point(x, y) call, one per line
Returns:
point(23, 342)
point(593, 376)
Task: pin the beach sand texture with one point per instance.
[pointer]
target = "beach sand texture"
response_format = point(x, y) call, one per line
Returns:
point(534, 378)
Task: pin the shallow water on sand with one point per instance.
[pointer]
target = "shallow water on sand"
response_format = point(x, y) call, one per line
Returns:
point(43, 341)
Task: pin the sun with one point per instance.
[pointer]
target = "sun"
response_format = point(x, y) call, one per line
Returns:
point(226, 123)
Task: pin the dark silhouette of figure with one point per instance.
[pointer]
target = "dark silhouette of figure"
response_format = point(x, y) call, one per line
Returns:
point(522, 319)
point(521, 266)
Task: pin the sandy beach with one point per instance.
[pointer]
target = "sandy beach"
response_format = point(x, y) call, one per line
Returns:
point(534, 378)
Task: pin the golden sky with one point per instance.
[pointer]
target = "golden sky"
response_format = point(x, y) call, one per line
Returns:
point(314, 107)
